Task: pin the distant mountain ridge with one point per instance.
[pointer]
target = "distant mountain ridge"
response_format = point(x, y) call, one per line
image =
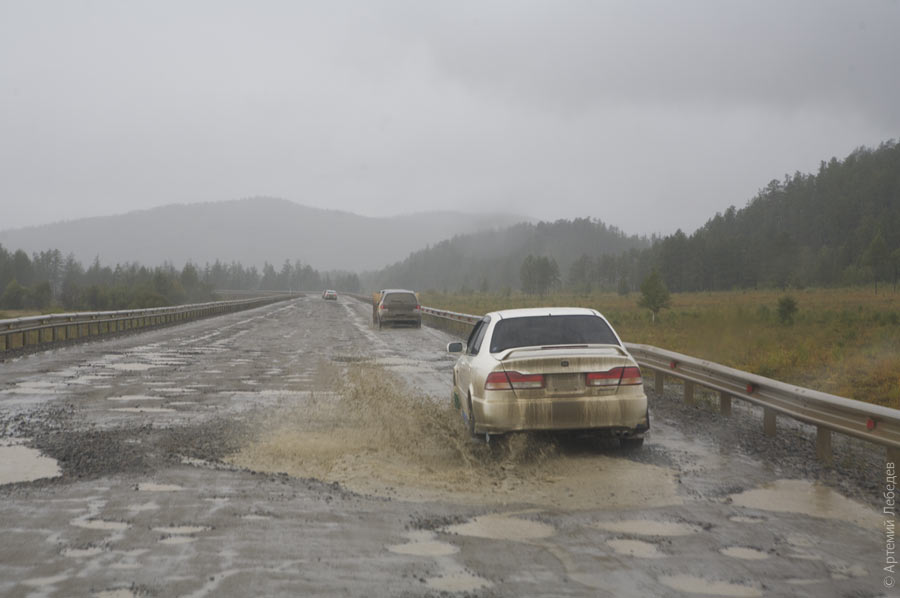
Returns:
point(251, 231)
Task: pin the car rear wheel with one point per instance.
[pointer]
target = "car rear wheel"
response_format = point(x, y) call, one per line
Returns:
point(470, 420)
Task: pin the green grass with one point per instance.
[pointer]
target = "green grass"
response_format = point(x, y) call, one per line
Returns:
point(842, 341)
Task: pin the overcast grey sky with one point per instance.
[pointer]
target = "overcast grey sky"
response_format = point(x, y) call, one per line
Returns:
point(648, 115)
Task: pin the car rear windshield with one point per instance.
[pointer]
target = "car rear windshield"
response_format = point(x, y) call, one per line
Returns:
point(537, 331)
point(401, 299)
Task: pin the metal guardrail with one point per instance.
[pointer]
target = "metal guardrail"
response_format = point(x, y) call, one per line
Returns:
point(829, 413)
point(28, 333)
point(451, 315)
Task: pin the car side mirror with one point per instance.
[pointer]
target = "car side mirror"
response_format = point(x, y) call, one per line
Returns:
point(455, 347)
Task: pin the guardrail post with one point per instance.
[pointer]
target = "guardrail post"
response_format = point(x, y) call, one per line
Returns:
point(724, 403)
point(823, 444)
point(769, 421)
point(659, 382)
point(689, 392)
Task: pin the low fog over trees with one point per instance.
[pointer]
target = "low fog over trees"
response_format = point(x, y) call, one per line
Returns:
point(48, 278)
point(840, 226)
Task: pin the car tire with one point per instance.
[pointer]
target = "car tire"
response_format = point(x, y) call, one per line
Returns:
point(419, 324)
point(631, 443)
point(470, 420)
point(380, 324)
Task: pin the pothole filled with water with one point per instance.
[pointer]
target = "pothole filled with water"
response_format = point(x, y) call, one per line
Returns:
point(808, 498)
point(707, 587)
point(23, 464)
point(374, 436)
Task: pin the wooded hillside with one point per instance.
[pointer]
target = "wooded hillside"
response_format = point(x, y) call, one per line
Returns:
point(839, 226)
point(492, 260)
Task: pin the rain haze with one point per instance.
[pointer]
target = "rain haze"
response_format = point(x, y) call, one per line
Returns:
point(454, 298)
point(651, 116)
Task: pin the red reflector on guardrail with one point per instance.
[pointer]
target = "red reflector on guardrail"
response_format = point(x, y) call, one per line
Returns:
point(870, 424)
point(751, 388)
point(673, 364)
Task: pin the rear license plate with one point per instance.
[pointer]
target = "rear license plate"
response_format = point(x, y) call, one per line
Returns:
point(564, 382)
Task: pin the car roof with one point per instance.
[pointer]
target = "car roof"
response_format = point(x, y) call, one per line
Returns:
point(544, 311)
point(385, 291)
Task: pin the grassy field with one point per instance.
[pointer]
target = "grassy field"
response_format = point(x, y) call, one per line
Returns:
point(842, 341)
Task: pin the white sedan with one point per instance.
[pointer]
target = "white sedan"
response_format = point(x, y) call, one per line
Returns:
point(549, 369)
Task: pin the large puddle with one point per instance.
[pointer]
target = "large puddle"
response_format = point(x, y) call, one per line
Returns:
point(100, 524)
point(503, 527)
point(707, 587)
point(742, 552)
point(647, 527)
point(156, 487)
point(808, 498)
point(22, 464)
point(375, 437)
point(424, 543)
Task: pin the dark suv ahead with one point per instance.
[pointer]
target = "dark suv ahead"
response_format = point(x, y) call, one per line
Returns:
point(398, 306)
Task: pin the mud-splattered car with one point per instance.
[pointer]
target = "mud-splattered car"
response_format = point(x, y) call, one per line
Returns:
point(329, 295)
point(549, 369)
point(396, 306)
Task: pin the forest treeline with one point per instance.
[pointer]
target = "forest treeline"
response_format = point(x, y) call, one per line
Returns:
point(839, 226)
point(493, 260)
point(48, 278)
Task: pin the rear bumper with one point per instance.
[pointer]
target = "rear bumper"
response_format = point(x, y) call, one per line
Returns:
point(613, 412)
point(401, 319)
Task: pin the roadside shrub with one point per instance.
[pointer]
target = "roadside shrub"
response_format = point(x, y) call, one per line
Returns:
point(14, 295)
point(787, 309)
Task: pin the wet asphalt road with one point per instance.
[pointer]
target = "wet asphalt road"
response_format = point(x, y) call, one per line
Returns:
point(145, 503)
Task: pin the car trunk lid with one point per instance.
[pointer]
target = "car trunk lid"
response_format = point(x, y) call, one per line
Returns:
point(401, 304)
point(565, 369)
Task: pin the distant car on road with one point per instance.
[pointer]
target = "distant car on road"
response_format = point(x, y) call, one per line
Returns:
point(549, 369)
point(396, 306)
point(329, 295)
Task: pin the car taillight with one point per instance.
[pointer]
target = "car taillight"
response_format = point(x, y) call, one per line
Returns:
point(610, 378)
point(497, 381)
point(418, 307)
point(513, 380)
point(382, 306)
point(626, 376)
point(631, 376)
